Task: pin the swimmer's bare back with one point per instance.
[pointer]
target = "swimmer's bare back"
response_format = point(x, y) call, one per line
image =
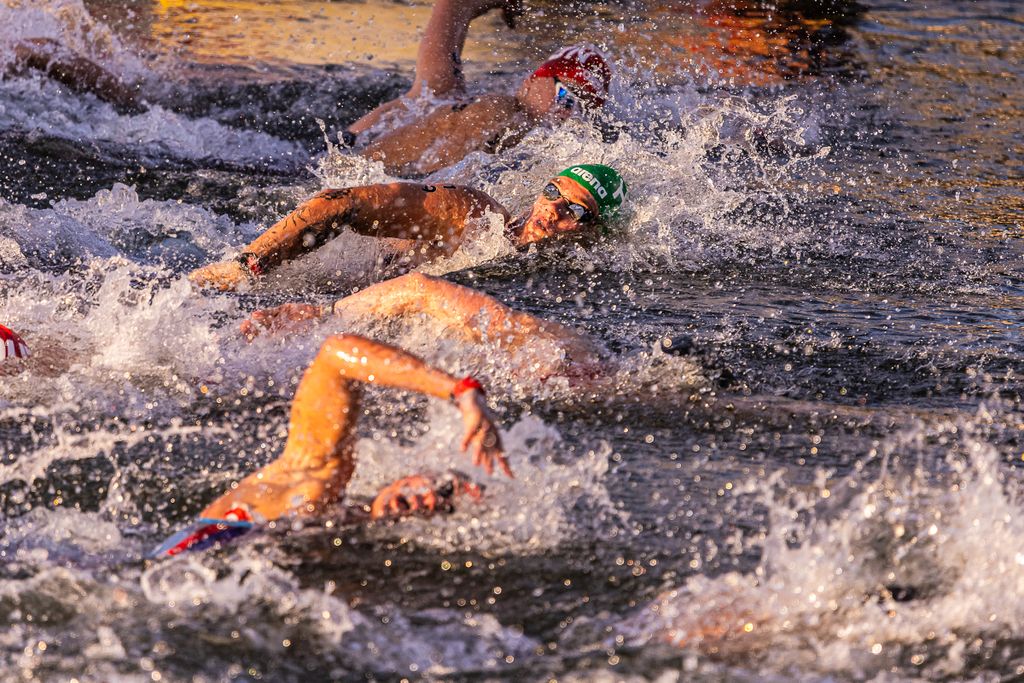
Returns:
point(449, 132)
point(429, 220)
point(446, 135)
point(536, 347)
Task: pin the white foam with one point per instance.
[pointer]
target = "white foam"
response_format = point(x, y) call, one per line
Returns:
point(114, 222)
point(512, 518)
point(35, 106)
point(45, 537)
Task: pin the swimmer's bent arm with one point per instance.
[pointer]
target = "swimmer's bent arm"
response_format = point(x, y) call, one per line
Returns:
point(439, 60)
point(318, 461)
point(403, 211)
point(301, 231)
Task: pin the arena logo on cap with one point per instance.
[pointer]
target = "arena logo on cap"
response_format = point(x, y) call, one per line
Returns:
point(596, 184)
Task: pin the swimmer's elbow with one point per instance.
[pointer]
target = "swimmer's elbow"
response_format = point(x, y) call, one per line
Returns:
point(343, 345)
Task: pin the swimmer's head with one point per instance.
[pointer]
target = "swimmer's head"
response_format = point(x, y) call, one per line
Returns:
point(575, 203)
point(576, 77)
point(11, 345)
point(424, 494)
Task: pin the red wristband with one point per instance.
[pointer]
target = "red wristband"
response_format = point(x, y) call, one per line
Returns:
point(252, 263)
point(464, 385)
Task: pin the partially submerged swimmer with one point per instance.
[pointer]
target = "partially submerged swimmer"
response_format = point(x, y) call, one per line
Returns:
point(419, 494)
point(78, 73)
point(422, 222)
point(544, 348)
point(318, 460)
point(575, 79)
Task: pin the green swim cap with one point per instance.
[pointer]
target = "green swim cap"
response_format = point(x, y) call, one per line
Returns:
point(603, 182)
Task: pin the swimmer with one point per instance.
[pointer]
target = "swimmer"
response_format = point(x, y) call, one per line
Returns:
point(423, 222)
point(73, 70)
point(545, 348)
point(575, 79)
point(318, 458)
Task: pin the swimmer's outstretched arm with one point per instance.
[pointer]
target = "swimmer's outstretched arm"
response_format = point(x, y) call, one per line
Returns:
point(73, 70)
point(472, 314)
point(416, 214)
point(439, 61)
point(318, 459)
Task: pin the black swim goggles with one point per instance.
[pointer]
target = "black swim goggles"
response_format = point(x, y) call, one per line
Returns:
point(553, 194)
point(563, 97)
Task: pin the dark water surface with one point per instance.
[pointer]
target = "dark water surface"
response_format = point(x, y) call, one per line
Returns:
point(826, 199)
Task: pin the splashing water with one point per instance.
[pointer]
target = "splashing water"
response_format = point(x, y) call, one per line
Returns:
point(915, 566)
point(819, 486)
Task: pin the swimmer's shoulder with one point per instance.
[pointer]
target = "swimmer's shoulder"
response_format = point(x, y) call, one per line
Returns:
point(489, 105)
point(483, 109)
point(446, 197)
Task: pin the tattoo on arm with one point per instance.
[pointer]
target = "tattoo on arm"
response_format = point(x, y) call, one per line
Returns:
point(331, 195)
point(306, 229)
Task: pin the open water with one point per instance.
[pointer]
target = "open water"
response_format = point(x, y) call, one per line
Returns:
point(826, 198)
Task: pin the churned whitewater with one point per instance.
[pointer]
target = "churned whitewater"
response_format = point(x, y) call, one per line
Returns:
point(825, 200)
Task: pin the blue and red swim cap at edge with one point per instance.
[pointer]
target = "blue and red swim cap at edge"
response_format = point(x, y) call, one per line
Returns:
point(11, 345)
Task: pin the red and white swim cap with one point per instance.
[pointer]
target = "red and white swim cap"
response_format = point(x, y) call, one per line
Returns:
point(11, 345)
point(582, 69)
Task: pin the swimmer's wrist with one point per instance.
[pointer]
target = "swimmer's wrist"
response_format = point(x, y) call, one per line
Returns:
point(327, 310)
point(467, 383)
point(251, 263)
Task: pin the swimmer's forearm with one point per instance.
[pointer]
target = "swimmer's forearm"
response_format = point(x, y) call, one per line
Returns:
point(73, 70)
point(440, 54)
point(438, 63)
point(364, 360)
point(304, 229)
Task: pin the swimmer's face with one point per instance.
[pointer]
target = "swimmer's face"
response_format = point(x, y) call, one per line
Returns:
point(539, 96)
point(565, 210)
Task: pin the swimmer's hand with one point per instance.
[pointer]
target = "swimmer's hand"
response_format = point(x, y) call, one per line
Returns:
point(481, 435)
point(283, 319)
point(223, 275)
point(421, 494)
